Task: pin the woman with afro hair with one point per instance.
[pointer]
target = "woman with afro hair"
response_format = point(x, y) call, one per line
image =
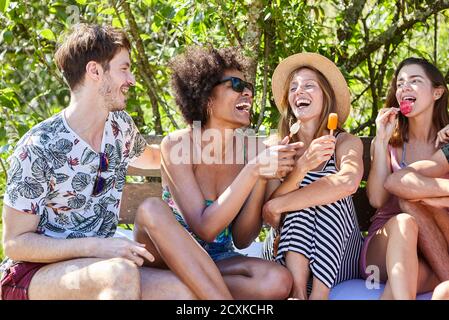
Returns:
point(214, 196)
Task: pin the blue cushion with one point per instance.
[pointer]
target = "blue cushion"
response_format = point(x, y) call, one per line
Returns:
point(357, 290)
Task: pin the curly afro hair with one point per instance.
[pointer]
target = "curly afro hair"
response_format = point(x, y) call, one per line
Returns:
point(196, 72)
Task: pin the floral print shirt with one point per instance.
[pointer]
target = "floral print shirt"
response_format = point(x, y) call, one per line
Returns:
point(52, 174)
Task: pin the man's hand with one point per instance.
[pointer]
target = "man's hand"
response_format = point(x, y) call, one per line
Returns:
point(122, 248)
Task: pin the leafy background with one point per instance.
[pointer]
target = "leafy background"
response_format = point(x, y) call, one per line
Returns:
point(365, 38)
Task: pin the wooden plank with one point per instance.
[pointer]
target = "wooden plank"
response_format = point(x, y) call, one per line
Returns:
point(363, 209)
point(153, 139)
point(366, 156)
point(133, 195)
point(143, 172)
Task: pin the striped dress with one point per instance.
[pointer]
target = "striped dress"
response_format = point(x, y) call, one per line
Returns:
point(327, 235)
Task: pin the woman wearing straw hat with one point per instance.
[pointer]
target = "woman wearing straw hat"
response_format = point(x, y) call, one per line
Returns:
point(319, 234)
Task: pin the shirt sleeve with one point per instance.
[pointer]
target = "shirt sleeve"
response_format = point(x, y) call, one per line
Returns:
point(138, 142)
point(29, 177)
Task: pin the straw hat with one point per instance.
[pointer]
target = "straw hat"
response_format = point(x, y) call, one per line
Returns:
point(329, 70)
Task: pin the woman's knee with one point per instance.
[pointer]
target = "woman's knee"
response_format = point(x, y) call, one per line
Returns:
point(441, 292)
point(150, 212)
point(404, 223)
point(275, 281)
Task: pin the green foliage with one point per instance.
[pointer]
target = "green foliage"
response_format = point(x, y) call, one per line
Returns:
point(31, 88)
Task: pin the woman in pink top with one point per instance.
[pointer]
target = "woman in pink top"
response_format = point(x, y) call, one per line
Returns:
point(404, 135)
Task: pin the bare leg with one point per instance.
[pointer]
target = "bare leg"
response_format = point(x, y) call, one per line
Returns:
point(441, 292)
point(427, 279)
point(86, 279)
point(387, 294)
point(254, 278)
point(431, 241)
point(319, 290)
point(394, 251)
point(156, 226)
point(163, 285)
point(118, 278)
point(299, 267)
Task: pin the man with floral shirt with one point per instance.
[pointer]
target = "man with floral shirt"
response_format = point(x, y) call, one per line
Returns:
point(65, 182)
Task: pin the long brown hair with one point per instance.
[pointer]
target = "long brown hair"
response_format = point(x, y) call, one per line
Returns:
point(329, 105)
point(440, 117)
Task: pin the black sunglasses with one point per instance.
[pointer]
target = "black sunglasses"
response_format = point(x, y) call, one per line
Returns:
point(100, 182)
point(238, 85)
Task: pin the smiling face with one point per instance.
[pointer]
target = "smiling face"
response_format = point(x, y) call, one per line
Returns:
point(414, 86)
point(116, 81)
point(230, 106)
point(305, 95)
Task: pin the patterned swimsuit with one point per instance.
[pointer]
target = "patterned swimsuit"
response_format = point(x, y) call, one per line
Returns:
point(221, 248)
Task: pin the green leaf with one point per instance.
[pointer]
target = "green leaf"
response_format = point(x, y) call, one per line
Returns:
point(48, 34)
point(81, 2)
point(155, 28)
point(108, 11)
point(145, 36)
point(116, 23)
point(6, 36)
point(4, 4)
point(4, 148)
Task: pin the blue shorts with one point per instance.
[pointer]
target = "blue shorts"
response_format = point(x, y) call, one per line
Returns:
point(219, 251)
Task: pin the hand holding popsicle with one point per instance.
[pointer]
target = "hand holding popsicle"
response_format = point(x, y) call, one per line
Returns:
point(332, 122)
point(385, 124)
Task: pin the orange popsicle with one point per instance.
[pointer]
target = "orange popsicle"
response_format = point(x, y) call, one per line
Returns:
point(332, 122)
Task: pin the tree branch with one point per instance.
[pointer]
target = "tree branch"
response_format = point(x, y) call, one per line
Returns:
point(229, 27)
point(350, 18)
point(394, 31)
point(145, 70)
point(251, 39)
point(369, 123)
point(268, 48)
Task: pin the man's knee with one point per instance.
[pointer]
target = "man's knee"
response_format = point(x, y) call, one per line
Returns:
point(150, 212)
point(123, 280)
